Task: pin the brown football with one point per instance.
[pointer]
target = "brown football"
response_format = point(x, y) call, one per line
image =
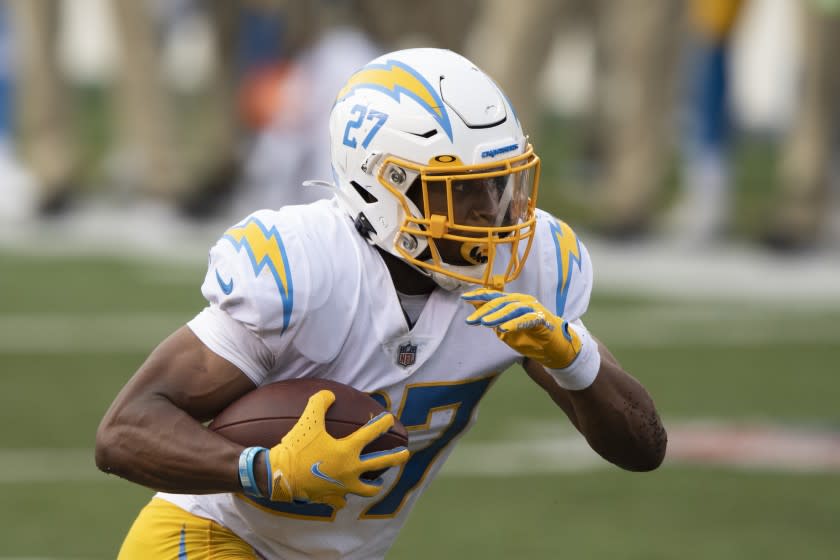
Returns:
point(263, 416)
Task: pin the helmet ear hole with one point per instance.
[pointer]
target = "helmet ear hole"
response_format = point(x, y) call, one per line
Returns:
point(363, 226)
point(364, 193)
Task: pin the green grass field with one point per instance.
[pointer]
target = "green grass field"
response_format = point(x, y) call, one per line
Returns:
point(72, 330)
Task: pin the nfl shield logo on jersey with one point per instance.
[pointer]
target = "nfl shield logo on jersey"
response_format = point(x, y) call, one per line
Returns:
point(407, 355)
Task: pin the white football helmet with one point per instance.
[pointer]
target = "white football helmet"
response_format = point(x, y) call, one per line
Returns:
point(431, 163)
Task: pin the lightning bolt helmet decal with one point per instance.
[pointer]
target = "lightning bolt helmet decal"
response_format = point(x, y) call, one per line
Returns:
point(395, 78)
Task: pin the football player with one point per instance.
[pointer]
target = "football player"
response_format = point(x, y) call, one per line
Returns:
point(429, 274)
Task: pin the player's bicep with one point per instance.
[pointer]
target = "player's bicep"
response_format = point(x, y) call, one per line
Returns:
point(187, 373)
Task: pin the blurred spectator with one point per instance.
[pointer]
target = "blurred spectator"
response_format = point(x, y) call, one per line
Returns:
point(637, 47)
point(274, 62)
point(642, 43)
point(292, 149)
point(512, 43)
point(15, 182)
point(5, 80)
point(703, 212)
point(801, 208)
point(288, 102)
point(42, 103)
point(157, 161)
point(398, 24)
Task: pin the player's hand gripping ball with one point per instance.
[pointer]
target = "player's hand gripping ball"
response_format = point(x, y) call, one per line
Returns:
point(310, 465)
point(525, 325)
point(334, 439)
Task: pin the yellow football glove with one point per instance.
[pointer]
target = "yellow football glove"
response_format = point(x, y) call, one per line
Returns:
point(522, 323)
point(309, 465)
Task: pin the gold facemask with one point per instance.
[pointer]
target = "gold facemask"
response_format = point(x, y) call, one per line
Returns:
point(468, 214)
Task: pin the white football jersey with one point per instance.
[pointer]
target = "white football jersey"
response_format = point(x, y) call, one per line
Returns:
point(298, 293)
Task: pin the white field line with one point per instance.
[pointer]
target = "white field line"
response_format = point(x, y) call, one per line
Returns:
point(752, 447)
point(742, 448)
point(732, 272)
point(95, 332)
point(48, 465)
point(719, 325)
point(650, 326)
point(157, 275)
point(755, 447)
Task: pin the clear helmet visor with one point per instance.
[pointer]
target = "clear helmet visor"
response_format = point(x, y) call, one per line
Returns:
point(488, 201)
point(457, 218)
point(479, 209)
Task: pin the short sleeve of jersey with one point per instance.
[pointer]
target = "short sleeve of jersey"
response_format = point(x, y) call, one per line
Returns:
point(565, 266)
point(250, 287)
point(231, 340)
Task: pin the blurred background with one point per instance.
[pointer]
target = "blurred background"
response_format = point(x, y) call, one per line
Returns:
point(691, 143)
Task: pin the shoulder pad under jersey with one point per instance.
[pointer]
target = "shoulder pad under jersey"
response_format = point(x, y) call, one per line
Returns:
point(254, 274)
point(276, 273)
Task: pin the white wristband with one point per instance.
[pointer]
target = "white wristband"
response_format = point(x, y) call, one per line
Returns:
point(583, 371)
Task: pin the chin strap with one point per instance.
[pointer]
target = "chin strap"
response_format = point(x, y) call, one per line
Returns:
point(451, 284)
point(363, 227)
point(447, 282)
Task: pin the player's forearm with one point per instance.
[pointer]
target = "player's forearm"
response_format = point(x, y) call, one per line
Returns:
point(619, 420)
point(155, 444)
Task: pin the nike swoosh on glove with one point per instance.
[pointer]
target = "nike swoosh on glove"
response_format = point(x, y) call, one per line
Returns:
point(309, 465)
